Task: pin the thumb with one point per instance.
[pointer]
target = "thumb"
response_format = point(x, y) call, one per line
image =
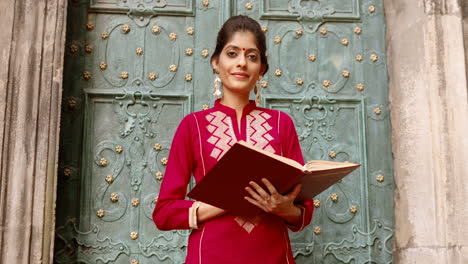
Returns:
point(295, 192)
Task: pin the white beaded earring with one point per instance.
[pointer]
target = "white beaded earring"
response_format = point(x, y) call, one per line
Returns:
point(217, 81)
point(257, 90)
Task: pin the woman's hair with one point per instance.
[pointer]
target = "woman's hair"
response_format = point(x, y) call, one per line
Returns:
point(241, 24)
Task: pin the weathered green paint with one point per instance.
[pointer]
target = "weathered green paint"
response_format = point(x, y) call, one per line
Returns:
point(110, 124)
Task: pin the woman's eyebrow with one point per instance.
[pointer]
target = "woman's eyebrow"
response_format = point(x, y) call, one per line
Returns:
point(237, 48)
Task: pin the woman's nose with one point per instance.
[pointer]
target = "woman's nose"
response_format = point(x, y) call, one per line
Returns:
point(242, 61)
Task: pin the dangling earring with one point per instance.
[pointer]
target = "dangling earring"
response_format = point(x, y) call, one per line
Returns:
point(257, 90)
point(217, 81)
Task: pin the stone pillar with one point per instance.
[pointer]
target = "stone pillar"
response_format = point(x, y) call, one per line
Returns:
point(464, 6)
point(429, 115)
point(31, 54)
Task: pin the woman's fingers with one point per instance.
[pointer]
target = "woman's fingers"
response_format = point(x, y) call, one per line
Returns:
point(260, 190)
point(295, 192)
point(270, 186)
point(254, 194)
point(269, 200)
point(255, 202)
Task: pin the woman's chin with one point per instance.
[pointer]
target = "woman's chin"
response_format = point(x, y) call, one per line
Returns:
point(238, 89)
point(238, 86)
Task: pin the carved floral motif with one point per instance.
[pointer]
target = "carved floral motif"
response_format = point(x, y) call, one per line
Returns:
point(156, 29)
point(316, 203)
point(157, 147)
point(312, 57)
point(114, 197)
point(356, 247)
point(317, 230)
point(360, 87)
point(100, 213)
point(89, 49)
point(190, 31)
point(380, 178)
point(102, 65)
point(139, 51)
point(152, 76)
point(277, 40)
point(109, 178)
point(134, 235)
point(124, 75)
point(86, 75)
point(299, 81)
point(125, 29)
point(172, 68)
point(73, 48)
point(357, 30)
point(135, 202)
point(334, 197)
point(89, 26)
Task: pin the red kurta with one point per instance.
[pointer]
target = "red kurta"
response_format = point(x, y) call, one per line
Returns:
point(200, 141)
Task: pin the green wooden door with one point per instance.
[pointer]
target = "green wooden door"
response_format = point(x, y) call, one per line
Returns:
point(134, 68)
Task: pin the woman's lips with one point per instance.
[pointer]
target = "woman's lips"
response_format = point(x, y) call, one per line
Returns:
point(240, 75)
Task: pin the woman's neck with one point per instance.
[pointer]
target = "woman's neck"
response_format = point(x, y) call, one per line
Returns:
point(235, 101)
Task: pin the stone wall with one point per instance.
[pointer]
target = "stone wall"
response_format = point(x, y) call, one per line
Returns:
point(31, 52)
point(429, 115)
point(464, 6)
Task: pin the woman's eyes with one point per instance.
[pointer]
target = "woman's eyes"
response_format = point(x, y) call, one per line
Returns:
point(252, 57)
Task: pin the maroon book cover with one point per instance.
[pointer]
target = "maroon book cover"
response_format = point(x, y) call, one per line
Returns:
point(224, 185)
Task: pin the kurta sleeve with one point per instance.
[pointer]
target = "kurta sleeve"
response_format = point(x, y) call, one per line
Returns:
point(292, 149)
point(172, 209)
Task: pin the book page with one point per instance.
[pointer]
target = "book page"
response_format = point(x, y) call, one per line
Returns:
point(272, 155)
point(323, 165)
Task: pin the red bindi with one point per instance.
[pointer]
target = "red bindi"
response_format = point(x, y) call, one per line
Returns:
point(243, 48)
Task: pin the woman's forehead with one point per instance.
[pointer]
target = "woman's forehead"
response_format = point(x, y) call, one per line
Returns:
point(242, 40)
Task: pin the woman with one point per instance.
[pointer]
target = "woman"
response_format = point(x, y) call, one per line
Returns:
point(203, 137)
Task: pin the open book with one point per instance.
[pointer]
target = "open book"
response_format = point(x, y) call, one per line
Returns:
point(224, 185)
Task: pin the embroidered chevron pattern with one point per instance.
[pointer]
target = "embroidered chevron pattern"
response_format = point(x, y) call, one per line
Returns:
point(222, 133)
point(248, 223)
point(258, 130)
point(223, 138)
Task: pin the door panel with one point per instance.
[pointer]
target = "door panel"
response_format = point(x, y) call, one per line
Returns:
point(328, 72)
point(135, 68)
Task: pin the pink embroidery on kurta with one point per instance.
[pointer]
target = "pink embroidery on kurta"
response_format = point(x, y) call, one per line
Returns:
point(223, 137)
point(248, 223)
point(258, 130)
point(222, 133)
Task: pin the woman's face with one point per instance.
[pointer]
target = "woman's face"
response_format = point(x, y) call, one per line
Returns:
point(239, 63)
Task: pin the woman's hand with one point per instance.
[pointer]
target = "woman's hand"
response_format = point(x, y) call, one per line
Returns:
point(206, 212)
point(273, 202)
